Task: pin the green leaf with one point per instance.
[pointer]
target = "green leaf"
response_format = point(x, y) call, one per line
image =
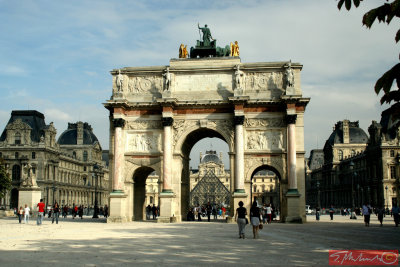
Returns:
point(348, 4)
point(386, 81)
point(397, 36)
point(356, 2)
point(340, 4)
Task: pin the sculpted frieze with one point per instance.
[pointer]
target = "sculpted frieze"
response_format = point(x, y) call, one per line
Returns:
point(145, 84)
point(143, 142)
point(144, 124)
point(264, 81)
point(264, 140)
point(254, 123)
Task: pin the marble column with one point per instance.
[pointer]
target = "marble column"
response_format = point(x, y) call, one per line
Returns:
point(118, 155)
point(167, 154)
point(239, 154)
point(291, 154)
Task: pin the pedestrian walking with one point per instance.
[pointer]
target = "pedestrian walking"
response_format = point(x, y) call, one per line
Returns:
point(223, 212)
point(154, 211)
point(105, 211)
point(80, 211)
point(40, 206)
point(27, 213)
point(20, 214)
point(56, 213)
point(240, 218)
point(209, 209)
point(65, 212)
point(395, 212)
point(331, 212)
point(255, 219)
point(380, 213)
point(317, 213)
point(268, 211)
point(366, 211)
point(148, 211)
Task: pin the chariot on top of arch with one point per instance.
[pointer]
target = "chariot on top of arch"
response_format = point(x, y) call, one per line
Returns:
point(204, 79)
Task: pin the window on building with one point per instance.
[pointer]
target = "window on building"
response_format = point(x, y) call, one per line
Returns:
point(84, 168)
point(16, 172)
point(393, 172)
point(270, 188)
point(33, 155)
point(17, 139)
point(263, 180)
point(16, 155)
point(263, 187)
point(392, 153)
point(85, 155)
point(340, 153)
point(255, 188)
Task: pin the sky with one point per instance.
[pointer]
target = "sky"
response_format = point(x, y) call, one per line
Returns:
point(56, 56)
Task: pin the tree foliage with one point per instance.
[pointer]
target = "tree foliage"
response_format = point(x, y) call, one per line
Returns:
point(384, 13)
point(5, 181)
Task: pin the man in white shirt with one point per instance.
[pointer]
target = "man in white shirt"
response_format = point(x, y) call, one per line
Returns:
point(27, 211)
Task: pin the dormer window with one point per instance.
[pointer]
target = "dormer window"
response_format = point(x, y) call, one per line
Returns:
point(17, 139)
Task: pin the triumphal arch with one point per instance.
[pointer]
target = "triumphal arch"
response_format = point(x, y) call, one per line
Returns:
point(158, 113)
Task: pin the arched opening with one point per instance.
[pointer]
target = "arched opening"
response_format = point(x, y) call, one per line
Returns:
point(266, 189)
point(139, 192)
point(14, 198)
point(206, 175)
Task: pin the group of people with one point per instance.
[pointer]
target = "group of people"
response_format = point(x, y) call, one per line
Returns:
point(255, 219)
point(206, 210)
point(152, 211)
point(54, 212)
point(366, 211)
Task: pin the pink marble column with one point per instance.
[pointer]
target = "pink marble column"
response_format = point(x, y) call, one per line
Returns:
point(239, 154)
point(167, 154)
point(118, 154)
point(291, 152)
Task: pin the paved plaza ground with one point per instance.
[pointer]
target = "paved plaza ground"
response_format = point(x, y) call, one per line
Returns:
point(91, 242)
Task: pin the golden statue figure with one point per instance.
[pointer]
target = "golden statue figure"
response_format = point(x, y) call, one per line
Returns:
point(183, 53)
point(234, 49)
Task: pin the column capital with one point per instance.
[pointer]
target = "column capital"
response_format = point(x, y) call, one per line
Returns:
point(167, 121)
point(291, 119)
point(118, 123)
point(238, 120)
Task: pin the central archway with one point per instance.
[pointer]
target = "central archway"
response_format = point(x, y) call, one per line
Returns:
point(190, 140)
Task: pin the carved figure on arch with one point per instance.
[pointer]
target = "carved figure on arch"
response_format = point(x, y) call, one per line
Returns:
point(167, 79)
point(289, 75)
point(119, 81)
point(239, 78)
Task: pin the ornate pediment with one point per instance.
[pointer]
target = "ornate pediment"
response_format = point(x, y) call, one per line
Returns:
point(18, 125)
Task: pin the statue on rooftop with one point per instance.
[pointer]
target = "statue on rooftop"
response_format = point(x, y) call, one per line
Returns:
point(207, 38)
point(183, 53)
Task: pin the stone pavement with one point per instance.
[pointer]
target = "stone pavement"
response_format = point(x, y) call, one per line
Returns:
point(90, 242)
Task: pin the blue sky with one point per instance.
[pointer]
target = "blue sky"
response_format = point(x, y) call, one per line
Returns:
point(55, 56)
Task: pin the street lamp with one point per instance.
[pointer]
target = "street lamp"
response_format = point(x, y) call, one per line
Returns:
point(96, 169)
point(319, 192)
point(351, 165)
point(387, 204)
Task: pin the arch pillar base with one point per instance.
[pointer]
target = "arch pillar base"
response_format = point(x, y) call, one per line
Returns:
point(30, 196)
point(293, 209)
point(118, 201)
point(167, 207)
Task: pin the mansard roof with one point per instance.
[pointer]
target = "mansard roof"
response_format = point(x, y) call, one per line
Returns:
point(70, 136)
point(356, 134)
point(33, 118)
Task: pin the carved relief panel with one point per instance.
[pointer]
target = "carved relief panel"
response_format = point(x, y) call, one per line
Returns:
point(145, 84)
point(264, 140)
point(264, 81)
point(144, 142)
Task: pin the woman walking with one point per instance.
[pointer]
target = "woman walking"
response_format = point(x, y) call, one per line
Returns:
point(255, 219)
point(240, 218)
point(20, 213)
point(27, 212)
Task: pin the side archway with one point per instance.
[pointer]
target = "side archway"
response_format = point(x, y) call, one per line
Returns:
point(139, 191)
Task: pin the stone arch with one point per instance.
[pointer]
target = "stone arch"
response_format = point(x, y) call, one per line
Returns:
point(139, 191)
point(223, 132)
point(184, 145)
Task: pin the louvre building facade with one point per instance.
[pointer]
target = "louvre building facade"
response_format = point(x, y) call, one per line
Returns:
point(72, 170)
